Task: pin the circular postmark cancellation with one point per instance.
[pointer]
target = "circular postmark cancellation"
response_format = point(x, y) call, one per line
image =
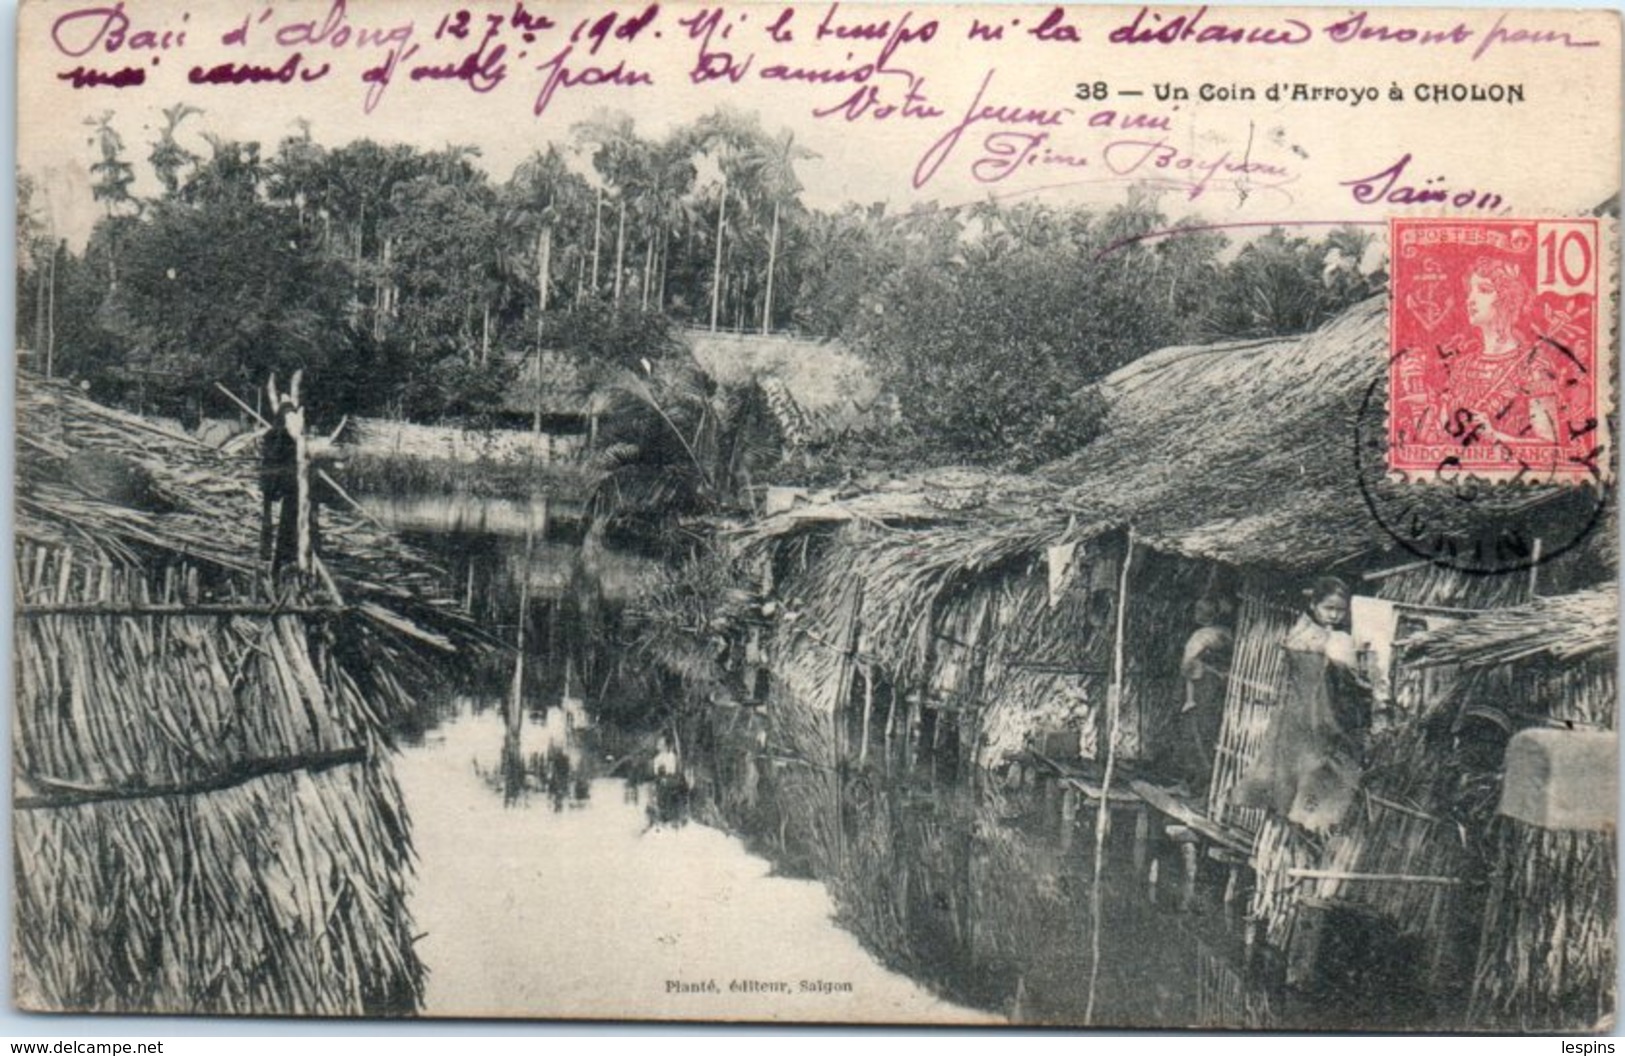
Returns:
point(1484, 446)
point(1462, 521)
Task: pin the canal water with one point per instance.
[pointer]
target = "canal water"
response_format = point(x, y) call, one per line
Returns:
point(594, 853)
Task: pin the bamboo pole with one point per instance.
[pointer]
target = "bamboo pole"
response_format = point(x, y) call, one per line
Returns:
point(868, 713)
point(69, 794)
point(35, 609)
point(1398, 878)
point(1103, 815)
point(295, 424)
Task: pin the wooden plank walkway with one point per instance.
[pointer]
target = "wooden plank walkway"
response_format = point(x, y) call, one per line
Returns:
point(1181, 811)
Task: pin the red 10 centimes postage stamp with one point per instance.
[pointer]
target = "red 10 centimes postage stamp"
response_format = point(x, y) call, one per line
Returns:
point(1495, 369)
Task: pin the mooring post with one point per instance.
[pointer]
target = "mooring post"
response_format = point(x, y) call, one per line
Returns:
point(1069, 817)
point(1187, 857)
point(1142, 836)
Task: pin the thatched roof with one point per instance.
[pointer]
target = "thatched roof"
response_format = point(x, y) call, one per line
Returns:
point(1564, 628)
point(1242, 452)
point(90, 476)
point(991, 504)
point(1238, 451)
point(205, 814)
point(1245, 452)
point(821, 375)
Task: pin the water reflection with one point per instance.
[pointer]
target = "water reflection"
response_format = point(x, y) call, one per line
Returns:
point(543, 754)
point(986, 893)
point(907, 864)
point(590, 911)
point(470, 514)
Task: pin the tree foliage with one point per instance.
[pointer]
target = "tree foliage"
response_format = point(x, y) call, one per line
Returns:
point(416, 282)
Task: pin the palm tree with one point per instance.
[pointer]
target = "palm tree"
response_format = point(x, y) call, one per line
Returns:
point(730, 137)
point(299, 177)
point(620, 159)
point(543, 195)
point(168, 157)
point(775, 165)
point(113, 176)
point(665, 206)
point(675, 441)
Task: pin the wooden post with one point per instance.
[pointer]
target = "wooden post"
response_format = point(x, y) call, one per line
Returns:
point(1187, 859)
point(296, 429)
point(868, 713)
point(1142, 836)
point(1103, 817)
point(891, 724)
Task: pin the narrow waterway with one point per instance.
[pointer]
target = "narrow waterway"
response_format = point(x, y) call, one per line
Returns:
point(597, 852)
point(581, 906)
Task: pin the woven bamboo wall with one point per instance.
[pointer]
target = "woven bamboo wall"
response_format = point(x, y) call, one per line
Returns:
point(1257, 685)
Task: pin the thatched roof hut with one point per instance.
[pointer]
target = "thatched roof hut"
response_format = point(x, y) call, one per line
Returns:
point(204, 811)
point(1239, 455)
point(1240, 467)
point(817, 388)
point(1546, 943)
point(549, 390)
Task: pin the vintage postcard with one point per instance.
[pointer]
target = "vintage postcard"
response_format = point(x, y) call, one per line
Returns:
point(817, 512)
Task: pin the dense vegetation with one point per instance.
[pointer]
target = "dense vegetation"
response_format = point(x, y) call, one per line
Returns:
point(414, 282)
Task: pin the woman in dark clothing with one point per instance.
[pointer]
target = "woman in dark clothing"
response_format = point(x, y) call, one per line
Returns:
point(1308, 765)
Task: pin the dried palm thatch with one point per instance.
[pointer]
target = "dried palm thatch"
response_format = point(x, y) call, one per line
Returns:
point(203, 507)
point(1548, 963)
point(206, 820)
point(282, 895)
point(883, 595)
point(1565, 628)
point(205, 813)
point(1244, 452)
point(1047, 669)
point(993, 505)
point(1419, 815)
point(1225, 998)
